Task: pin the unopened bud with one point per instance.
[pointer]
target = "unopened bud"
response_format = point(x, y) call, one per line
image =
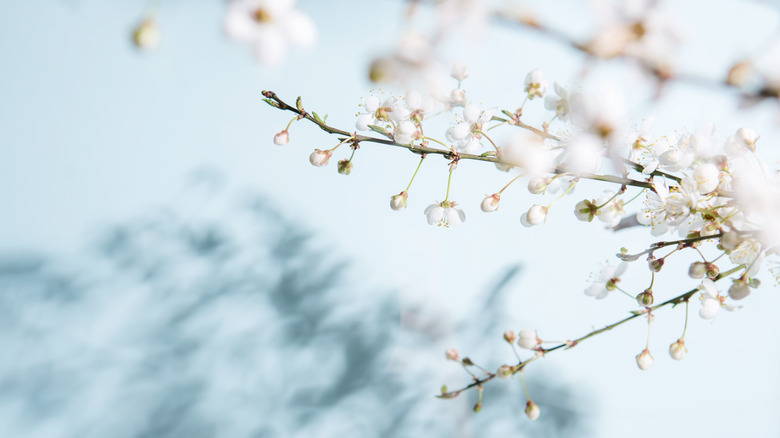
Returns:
point(730, 240)
point(458, 96)
point(697, 270)
point(504, 371)
point(532, 410)
point(678, 350)
point(345, 166)
point(527, 339)
point(645, 298)
point(739, 74)
point(537, 184)
point(644, 359)
point(320, 158)
point(655, 265)
point(478, 407)
point(739, 289)
point(748, 137)
point(398, 202)
point(281, 138)
point(147, 35)
point(712, 270)
point(510, 336)
point(490, 203)
point(536, 215)
point(452, 354)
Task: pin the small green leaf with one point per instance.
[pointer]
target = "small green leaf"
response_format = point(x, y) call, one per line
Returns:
point(299, 104)
point(272, 103)
point(317, 117)
point(443, 389)
point(380, 130)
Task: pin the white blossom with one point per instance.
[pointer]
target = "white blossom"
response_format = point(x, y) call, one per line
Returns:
point(270, 26)
point(561, 103)
point(459, 71)
point(445, 214)
point(469, 132)
point(606, 281)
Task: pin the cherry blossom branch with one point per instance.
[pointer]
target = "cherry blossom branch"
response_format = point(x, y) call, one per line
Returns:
point(272, 99)
point(662, 73)
point(541, 352)
point(658, 245)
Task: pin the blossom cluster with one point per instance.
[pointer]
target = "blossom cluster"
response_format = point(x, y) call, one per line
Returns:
point(697, 187)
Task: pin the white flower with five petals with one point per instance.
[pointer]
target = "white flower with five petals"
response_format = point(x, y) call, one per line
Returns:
point(445, 214)
point(469, 132)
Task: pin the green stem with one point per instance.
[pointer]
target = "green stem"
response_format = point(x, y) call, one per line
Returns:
point(570, 344)
point(571, 186)
point(522, 381)
point(275, 101)
point(685, 327)
point(449, 180)
point(508, 184)
point(437, 141)
point(415, 173)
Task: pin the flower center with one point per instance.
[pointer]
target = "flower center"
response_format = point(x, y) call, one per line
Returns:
point(262, 16)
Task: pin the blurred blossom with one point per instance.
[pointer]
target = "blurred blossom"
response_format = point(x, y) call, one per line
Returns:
point(270, 26)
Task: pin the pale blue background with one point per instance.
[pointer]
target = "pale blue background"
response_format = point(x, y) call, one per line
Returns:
point(95, 134)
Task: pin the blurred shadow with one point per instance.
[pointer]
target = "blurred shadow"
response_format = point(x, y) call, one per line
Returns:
point(236, 327)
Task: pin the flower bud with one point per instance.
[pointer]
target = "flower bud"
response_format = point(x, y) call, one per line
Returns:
point(712, 270)
point(452, 354)
point(527, 339)
point(345, 166)
point(147, 35)
point(536, 215)
point(739, 73)
point(655, 265)
point(748, 137)
point(398, 202)
point(510, 336)
point(281, 138)
point(645, 298)
point(678, 350)
point(490, 203)
point(532, 410)
point(644, 359)
point(537, 185)
point(697, 270)
point(459, 71)
point(504, 371)
point(730, 240)
point(458, 96)
point(320, 158)
point(739, 289)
